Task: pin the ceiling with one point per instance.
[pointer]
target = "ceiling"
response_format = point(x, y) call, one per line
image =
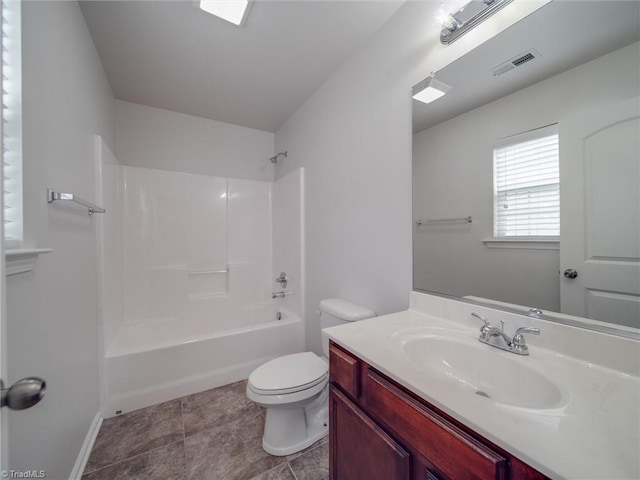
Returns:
point(172, 55)
point(565, 33)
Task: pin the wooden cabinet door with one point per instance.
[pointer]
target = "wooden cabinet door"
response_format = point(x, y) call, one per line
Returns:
point(359, 448)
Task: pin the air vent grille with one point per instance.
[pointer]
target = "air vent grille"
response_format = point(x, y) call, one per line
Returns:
point(515, 62)
point(523, 59)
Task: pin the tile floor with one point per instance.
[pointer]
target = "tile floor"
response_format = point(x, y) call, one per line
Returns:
point(211, 435)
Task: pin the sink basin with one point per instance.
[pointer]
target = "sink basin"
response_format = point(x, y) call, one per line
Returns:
point(479, 370)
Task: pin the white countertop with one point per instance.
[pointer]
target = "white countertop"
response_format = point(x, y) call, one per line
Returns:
point(594, 434)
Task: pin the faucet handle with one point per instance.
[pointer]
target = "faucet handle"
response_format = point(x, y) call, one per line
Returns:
point(485, 330)
point(521, 330)
point(518, 342)
point(477, 315)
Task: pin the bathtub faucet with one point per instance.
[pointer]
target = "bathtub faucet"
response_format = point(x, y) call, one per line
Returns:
point(277, 295)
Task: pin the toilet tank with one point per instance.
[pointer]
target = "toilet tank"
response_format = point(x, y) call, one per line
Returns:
point(335, 311)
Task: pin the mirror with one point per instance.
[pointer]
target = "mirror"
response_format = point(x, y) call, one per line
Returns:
point(581, 73)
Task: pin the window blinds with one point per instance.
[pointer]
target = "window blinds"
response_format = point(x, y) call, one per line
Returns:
point(11, 123)
point(527, 185)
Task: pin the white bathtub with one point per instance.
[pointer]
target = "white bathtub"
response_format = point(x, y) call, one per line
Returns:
point(152, 362)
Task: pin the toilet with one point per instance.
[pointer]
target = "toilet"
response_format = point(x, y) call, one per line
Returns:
point(294, 389)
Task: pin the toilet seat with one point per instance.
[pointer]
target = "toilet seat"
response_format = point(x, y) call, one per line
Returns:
point(289, 374)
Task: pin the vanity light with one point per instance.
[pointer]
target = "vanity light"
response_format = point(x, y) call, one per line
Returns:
point(473, 13)
point(430, 89)
point(234, 11)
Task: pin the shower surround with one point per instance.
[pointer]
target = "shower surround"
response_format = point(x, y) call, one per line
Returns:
point(187, 269)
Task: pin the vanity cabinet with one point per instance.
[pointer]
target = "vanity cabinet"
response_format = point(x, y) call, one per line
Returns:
point(380, 430)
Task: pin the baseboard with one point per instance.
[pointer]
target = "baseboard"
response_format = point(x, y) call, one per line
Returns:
point(85, 451)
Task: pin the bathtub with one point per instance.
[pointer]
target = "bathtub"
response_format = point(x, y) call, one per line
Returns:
point(155, 361)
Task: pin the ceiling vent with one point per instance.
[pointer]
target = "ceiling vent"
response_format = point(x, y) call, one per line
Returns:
point(515, 62)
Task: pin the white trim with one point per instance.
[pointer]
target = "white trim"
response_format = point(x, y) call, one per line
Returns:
point(546, 131)
point(529, 244)
point(22, 260)
point(85, 451)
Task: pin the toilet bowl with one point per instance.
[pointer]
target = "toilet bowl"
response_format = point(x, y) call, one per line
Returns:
point(294, 389)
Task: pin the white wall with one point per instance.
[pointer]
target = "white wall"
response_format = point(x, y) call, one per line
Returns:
point(453, 176)
point(353, 136)
point(52, 316)
point(154, 138)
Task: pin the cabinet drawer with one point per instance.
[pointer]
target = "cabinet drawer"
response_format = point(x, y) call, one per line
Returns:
point(452, 452)
point(344, 370)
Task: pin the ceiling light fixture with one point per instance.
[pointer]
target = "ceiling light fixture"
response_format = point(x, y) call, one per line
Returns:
point(472, 14)
point(430, 89)
point(233, 11)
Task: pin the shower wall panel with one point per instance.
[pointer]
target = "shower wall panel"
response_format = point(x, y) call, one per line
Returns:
point(194, 245)
point(288, 238)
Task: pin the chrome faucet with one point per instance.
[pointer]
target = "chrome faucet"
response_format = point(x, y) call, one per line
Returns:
point(496, 337)
point(277, 295)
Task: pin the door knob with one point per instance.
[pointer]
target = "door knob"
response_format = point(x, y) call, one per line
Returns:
point(570, 273)
point(23, 394)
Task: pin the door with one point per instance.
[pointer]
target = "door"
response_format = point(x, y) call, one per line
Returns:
point(600, 237)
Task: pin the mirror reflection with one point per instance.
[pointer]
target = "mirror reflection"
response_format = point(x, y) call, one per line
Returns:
point(526, 174)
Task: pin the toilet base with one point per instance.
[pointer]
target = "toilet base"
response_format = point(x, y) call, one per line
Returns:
point(290, 430)
point(291, 449)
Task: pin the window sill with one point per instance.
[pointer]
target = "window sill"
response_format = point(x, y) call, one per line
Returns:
point(528, 244)
point(22, 260)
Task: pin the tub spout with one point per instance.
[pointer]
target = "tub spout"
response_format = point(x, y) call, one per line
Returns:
point(277, 295)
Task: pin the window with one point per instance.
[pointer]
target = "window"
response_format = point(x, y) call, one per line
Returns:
point(527, 185)
point(11, 124)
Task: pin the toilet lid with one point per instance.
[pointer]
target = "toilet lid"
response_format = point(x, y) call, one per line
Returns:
point(288, 374)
